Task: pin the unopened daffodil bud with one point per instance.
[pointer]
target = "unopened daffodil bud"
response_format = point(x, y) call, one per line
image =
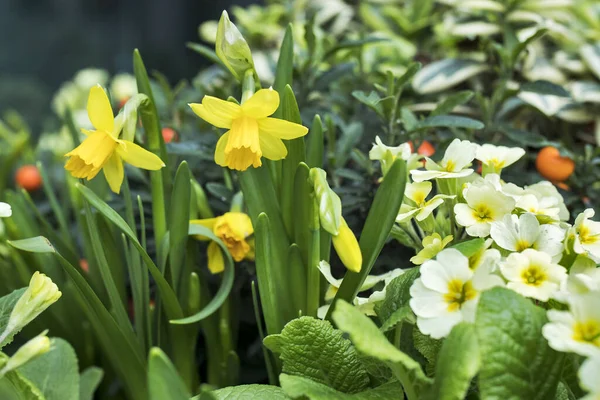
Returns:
point(329, 203)
point(30, 350)
point(232, 49)
point(40, 294)
point(202, 205)
point(347, 248)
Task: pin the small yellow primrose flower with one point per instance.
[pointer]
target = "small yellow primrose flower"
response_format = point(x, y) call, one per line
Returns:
point(103, 150)
point(432, 245)
point(417, 206)
point(495, 158)
point(252, 133)
point(233, 228)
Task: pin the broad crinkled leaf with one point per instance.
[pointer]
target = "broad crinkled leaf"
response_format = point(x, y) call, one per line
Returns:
point(247, 392)
point(89, 381)
point(428, 347)
point(311, 348)
point(397, 294)
point(55, 373)
point(370, 341)
point(457, 364)
point(7, 303)
point(299, 388)
point(516, 359)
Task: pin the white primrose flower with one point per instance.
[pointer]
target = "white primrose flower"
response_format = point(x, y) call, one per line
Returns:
point(589, 378)
point(432, 245)
point(5, 210)
point(458, 156)
point(584, 277)
point(586, 234)
point(484, 205)
point(418, 207)
point(533, 274)
point(519, 233)
point(495, 158)
point(576, 330)
point(448, 292)
point(386, 155)
point(543, 200)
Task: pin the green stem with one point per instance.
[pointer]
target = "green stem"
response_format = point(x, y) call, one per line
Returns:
point(404, 379)
point(314, 256)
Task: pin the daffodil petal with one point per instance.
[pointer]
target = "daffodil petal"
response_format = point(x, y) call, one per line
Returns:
point(262, 104)
point(220, 150)
point(113, 172)
point(207, 222)
point(216, 263)
point(217, 112)
point(99, 110)
point(272, 147)
point(87, 132)
point(281, 129)
point(139, 157)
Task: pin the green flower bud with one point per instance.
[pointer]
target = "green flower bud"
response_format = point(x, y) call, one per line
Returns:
point(232, 49)
point(30, 350)
point(330, 205)
point(40, 294)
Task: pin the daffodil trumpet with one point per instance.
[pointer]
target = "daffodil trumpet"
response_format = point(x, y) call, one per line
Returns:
point(103, 150)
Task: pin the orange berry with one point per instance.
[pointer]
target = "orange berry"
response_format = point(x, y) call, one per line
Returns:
point(426, 149)
point(552, 166)
point(169, 135)
point(28, 177)
point(84, 265)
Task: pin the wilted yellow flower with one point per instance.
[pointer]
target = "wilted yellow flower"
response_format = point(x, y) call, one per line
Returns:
point(252, 133)
point(234, 229)
point(347, 248)
point(103, 150)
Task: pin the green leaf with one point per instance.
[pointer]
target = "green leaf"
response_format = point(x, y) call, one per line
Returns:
point(516, 359)
point(457, 364)
point(377, 228)
point(38, 244)
point(591, 55)
point(89, 381)
point(55, 373)
point(451, 102)
point(169, 299)
point(450, 121)
point(428, 347)
point(298, 387)
point(247, 392)
point(545, 88)
point(164, 383)
point(265, 274)
point(315, 144)
point(401, 314)
point(179, 222)
point(226, 282)
point(311, 348)
point(372, 100)
point(7, 303)
point(205, 51)
point(370, 341)
point(285, 66)
point(470, 247)
point(14, 386)
point(397, 295)
point(444, 74)
point(523, 45)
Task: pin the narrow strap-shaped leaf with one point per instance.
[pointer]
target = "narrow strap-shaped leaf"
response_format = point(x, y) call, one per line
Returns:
point(377, 228)
point(169, 299)
point(159, 179)
point(285, 66)
point(126, 359)
point(301, 207)
point(315, 144)
point(179, 223)
point(226, 281)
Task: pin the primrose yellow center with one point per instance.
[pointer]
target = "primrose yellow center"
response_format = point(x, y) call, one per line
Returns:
point(482, 213)
point(459, 292)
point(495, 163)
point(450, 165)
point(419, 198)
point(585, 235)
point(588, 332)
point(522, 245)
point(534, 275)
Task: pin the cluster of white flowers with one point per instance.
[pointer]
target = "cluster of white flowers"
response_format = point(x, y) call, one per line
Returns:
point(528, 247)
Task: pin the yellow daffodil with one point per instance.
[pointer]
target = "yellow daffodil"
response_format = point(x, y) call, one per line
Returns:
point(233, 228)
point(251, 134)
point(103, 150)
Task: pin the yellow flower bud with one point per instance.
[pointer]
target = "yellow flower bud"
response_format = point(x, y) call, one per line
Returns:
point(232, 49)
point(347, 248)
point(30, 350)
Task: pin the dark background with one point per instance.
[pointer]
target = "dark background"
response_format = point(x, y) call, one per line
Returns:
point(45, 42)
